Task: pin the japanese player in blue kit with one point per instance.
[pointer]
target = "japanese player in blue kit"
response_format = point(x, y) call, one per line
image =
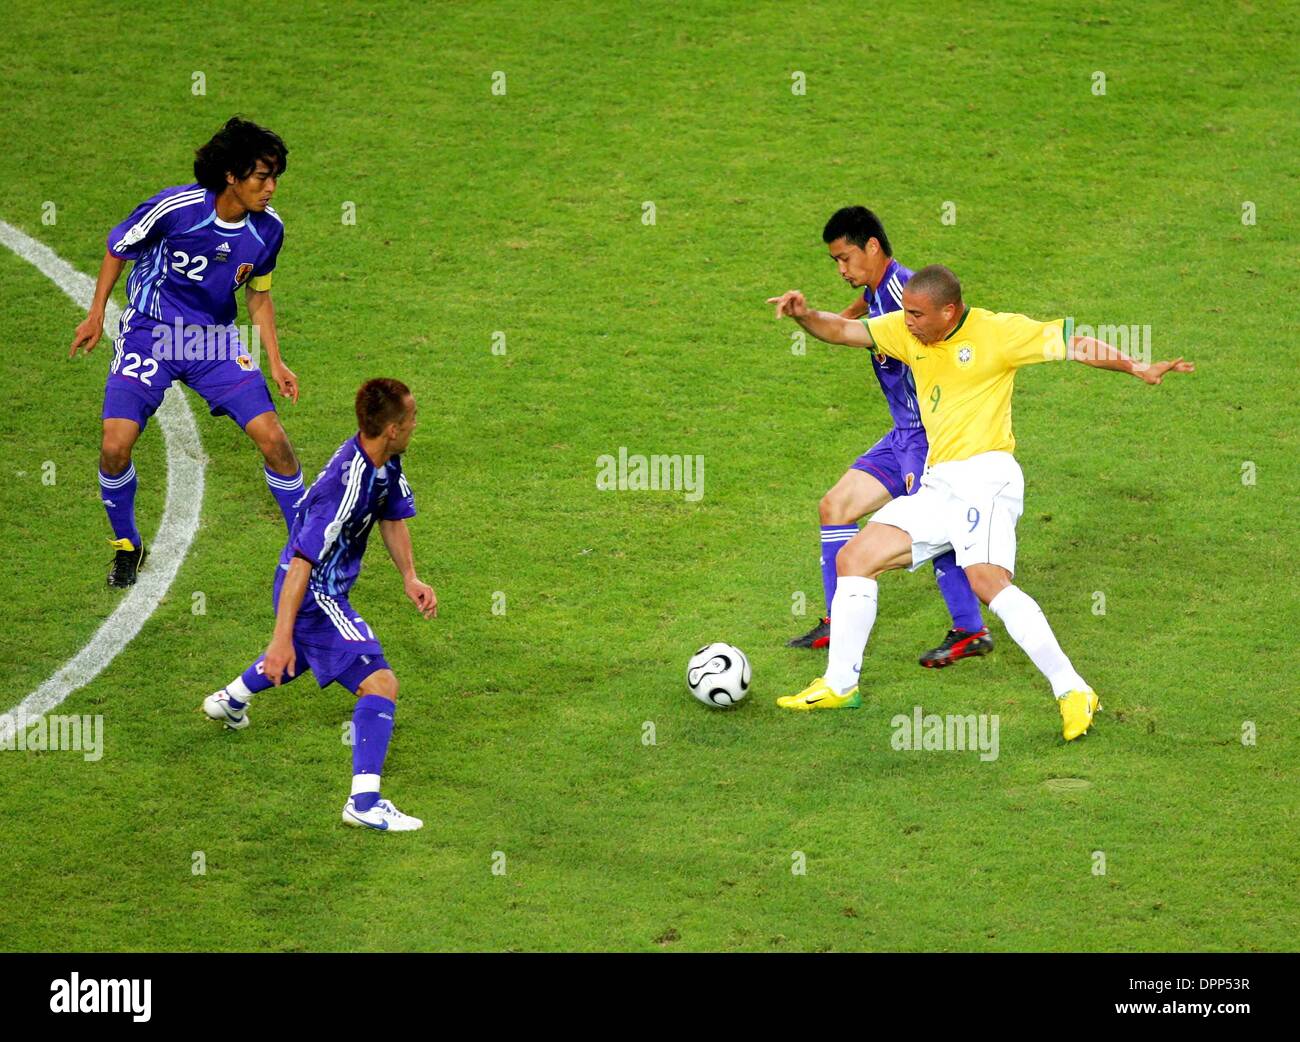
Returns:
point(193, 247)
point(892, 468)
point(315, 626)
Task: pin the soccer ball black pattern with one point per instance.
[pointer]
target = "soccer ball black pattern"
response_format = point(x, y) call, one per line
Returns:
point(718, 675)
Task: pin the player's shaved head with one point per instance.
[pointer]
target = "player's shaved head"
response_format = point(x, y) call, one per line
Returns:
point(938, 284)
point(932, 305)
point(381, 402)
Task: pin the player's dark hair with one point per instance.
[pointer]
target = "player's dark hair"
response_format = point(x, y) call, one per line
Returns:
point(380, 402)
point(857, 224)
point(235, 149)
point(938, 283)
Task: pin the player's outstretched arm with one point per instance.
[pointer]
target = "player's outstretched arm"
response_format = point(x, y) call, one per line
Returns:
point(261, 312)
point(824, 325)
point(397, 537)
point(280, 656)
point(92, 326)
point(1101, 355)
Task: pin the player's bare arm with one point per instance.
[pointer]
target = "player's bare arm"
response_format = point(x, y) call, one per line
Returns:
point(261, 312)
point(92, 326)
point(280, 657)
point(824, 325)
point(1101, 355)
point(855, 310)
point(397, 537)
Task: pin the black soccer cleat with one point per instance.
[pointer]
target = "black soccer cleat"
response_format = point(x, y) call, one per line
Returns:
point(817, 637)
point(126, 562)
point(958, 644)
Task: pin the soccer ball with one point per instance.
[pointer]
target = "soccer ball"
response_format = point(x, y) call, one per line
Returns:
point(718, 675)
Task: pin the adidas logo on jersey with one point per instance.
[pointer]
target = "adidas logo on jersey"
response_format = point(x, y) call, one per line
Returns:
point(223, 251)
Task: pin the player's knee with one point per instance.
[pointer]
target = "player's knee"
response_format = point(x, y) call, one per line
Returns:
point(833, 510)
point(853, 559)
point(826, 509)
point(278, 452)
point(114, 456)
point(383, 683)
point(987, 582)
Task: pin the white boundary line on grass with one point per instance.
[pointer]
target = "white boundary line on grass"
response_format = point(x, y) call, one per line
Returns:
point(180, 520)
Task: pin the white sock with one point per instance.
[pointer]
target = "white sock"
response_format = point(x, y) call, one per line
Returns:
point(853, 613)
point(1028, 627)
point(363, 783)
point(238, 690)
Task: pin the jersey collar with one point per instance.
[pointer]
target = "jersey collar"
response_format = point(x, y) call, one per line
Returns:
point(960, 323)
point(356, 444)
point(230, 226)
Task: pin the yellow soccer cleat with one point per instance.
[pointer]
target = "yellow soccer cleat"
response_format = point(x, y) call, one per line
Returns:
point(1076, 712)
point(820, 695)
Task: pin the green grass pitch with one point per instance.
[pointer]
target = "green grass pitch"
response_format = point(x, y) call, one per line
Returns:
point(521, 736)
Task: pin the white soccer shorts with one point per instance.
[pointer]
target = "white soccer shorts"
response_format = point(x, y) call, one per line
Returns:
point(970, 506)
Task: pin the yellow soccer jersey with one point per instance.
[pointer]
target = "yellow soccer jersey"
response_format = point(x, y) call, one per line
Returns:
point(964, 382)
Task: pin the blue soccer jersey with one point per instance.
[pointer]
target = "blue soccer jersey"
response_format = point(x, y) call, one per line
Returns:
point(895, 377)
point(334, 517)
point(189, 262)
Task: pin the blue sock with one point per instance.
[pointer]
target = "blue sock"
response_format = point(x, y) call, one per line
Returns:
point(117, 493)
point(833, 537)
point(286, 491)
point(963, 605)
point(372, 725)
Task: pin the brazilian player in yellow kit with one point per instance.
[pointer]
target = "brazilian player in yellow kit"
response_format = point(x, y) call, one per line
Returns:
point(964, 361)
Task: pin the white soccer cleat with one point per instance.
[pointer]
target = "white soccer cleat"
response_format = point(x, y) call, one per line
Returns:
point(383, 817)
point(217, 707)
